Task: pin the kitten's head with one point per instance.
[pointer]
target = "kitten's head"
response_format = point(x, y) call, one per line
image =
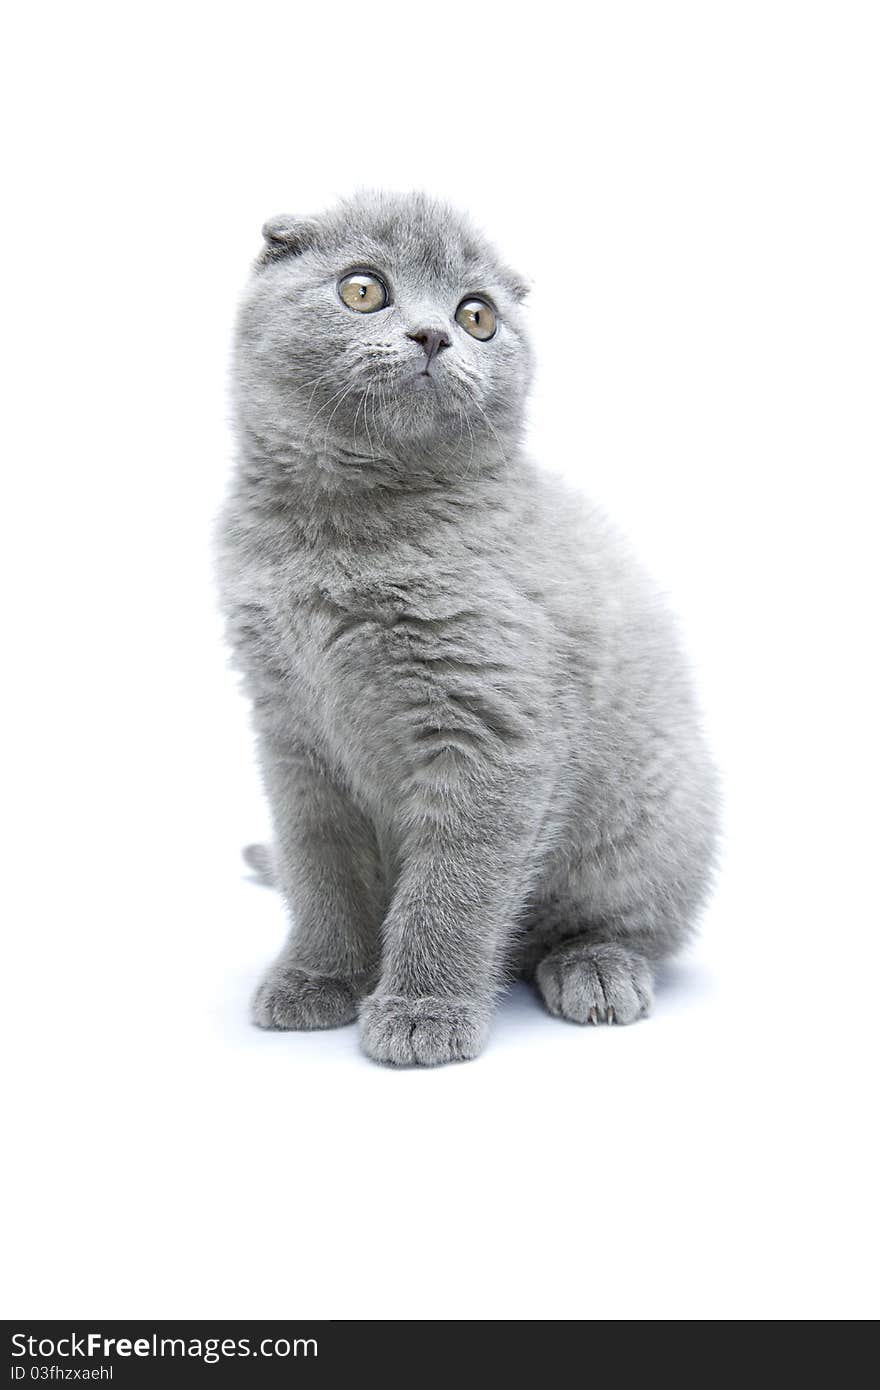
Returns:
point(386, 329)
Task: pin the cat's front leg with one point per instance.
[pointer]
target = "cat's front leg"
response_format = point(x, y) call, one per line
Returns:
point(328, 868)
point(462, 880)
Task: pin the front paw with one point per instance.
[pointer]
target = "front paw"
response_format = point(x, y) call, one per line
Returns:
point(422, 1032)
point(291, 998)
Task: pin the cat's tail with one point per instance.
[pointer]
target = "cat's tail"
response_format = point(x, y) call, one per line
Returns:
point(261, 863)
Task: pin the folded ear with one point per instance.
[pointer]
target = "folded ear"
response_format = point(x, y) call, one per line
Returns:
point(518, 285)
point(287, 236)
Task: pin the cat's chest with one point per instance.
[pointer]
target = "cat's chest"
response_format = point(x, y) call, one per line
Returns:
point(383, 620)
point(371, 659)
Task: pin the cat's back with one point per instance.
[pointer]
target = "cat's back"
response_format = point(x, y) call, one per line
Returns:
point(619, 641)
point(576, 563)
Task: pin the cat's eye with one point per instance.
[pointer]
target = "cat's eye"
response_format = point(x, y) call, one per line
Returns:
point(477, 318)
point(363, 292)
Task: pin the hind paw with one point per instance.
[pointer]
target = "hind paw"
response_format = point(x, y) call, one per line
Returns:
point(599, 983)
point(290, 998)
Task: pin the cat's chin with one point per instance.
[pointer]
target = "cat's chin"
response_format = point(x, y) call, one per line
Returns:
point(420, 409)
point(421, 399)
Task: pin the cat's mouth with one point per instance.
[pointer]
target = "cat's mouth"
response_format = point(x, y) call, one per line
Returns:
point(424, 390)
point(424, 379)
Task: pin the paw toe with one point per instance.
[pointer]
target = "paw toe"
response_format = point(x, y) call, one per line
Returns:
point(425, 1032)
point(600, 983)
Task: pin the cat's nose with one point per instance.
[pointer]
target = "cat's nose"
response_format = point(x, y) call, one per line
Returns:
point(433, 340)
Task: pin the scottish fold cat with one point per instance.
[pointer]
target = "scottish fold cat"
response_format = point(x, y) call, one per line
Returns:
point(475, 726)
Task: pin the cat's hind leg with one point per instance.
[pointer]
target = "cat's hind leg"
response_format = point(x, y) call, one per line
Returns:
point(587, 980)
point(610, 914)
point(591, 963)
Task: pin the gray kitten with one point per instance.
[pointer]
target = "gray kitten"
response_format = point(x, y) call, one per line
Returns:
point(475, 725)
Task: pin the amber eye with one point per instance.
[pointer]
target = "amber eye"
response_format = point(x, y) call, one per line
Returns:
point(363, 292)
point(477, 318)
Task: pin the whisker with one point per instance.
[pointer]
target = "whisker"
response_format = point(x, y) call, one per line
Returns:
point(367, 423)
point(494, 431)
point(341, 393)
point(348, 390)
point(472, 458)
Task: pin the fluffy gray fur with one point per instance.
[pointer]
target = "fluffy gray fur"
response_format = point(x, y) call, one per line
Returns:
point(475, 725)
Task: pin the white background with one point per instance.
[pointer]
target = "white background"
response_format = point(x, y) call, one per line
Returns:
point(693, 189)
